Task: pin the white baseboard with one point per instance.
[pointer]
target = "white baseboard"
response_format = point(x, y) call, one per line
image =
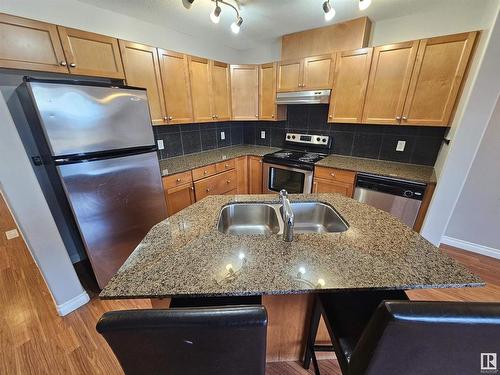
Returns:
point(72, 304)
point(470, 246)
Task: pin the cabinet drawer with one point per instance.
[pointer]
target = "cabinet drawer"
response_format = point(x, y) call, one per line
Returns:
point(177, 179)
point(335, 174)
point(218, 184)
point(203, 172)
point(225, 165)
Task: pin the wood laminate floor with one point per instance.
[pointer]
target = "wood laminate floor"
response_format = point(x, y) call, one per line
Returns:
point(35, 340)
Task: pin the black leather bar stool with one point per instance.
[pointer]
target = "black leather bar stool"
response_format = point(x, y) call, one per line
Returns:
point(209, 341)
point(348, 313)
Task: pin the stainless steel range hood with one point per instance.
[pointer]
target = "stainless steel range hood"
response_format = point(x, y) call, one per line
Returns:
point(304, 97)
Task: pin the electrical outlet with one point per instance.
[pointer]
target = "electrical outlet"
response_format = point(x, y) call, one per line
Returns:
point(263, 134)
point(10, 234)
point(222, 136)
point(401, 146)
point(160, 144)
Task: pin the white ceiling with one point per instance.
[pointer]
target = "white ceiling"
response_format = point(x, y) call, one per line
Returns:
point(264, 20)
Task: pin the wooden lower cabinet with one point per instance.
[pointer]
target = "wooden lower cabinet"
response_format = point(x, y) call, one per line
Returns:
point(179, 197)
point(330, 180)
point(219, 184)
point(241, 165)
point(254, 175)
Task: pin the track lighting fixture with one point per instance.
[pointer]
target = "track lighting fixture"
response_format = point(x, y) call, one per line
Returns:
point(215, 15)
point(363, 4)
point(329, 11)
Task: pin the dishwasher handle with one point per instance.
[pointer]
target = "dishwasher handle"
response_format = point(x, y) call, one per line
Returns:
point(403, 188)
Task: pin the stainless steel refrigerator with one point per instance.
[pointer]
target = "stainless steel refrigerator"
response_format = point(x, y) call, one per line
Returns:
point(93, 149)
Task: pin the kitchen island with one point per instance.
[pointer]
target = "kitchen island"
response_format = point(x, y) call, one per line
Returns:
point(186, 256)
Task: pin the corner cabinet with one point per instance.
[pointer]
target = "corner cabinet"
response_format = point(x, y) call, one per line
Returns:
point(179, 191)
point(245, 92)
point(199, 72)
point(221, 90)
point(350, 81)
point(91, 54)
point(30, 45)
point(310, 73)
point(143, 70)
point(437, 76)
point(330, 180)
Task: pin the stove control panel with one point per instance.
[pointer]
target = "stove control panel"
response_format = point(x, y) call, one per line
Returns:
point(308, 139)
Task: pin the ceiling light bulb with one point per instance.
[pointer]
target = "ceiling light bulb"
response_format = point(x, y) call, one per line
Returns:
point(215, 15)
point(329, 11)
point(235, 26)
point(363, 4)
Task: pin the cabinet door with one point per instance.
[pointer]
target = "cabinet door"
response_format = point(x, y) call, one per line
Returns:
point(388, 83)
point(241, 167)
point(221, 91)
point(326, 186)
point(142, 70)
point(267, 91)
point(199, 70)
point(436, 79)
point(289, 75)
point(245, 91)
point(30, 45)
point(179, 198)
point(91, 54)
point(349, 85)
point(255, 175)
point(176, 89)
point(318, 72)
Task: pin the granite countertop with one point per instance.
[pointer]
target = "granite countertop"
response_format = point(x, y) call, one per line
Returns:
point(413, 172)
point(185, 255)
point(200, 159)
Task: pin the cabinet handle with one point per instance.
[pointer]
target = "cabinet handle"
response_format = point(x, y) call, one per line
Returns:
point(228, 181)
point(405, 118)
point(179, 180)
point(272, 116)
point(207, 190)
point(226, 165)
point(73, 65)
point(192, 188)
point(332, 174)
point(165, 118)
point(205, 172)
point(398, 118)
point(257, 116)
point(330, 116)
point(170, 118)
point(63, 63)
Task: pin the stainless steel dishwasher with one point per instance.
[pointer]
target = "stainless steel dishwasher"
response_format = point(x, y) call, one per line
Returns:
point(401, 198)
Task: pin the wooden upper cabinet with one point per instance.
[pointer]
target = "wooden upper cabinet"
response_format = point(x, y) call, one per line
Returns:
point(143, 70)
point(437, 76)
point(199, 70)
point(245, 92)
point(349, 85)
point(289, 75)
point(176, 88)
point(221, 91)
point(267, 91)
point(317, 72)
point(91, 54)
point(388, 83)
point(31, 45)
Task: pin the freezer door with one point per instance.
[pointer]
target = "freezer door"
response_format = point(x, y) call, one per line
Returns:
point(80, 119)
point(115, 202)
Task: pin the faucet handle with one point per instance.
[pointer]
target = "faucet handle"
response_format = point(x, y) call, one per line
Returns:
point(283, 195)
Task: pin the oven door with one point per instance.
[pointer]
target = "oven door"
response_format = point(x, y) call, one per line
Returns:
point(294, 180)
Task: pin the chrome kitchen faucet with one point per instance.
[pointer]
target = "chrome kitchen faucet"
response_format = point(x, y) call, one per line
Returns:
point(288, 216)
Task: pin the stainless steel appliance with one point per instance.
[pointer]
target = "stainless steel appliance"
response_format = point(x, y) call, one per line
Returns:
point(292, 169)
point(93, 150)
point(399, 197)
point(304, 97)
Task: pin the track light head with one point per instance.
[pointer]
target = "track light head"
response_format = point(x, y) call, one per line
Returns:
point(187, 3)
point(235, 26)
point(363, 4)
point(215, 15)
point(329, 11)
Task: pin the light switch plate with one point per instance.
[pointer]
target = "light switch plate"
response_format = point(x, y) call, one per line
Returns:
point(10, 234)
point(160, 144)
point(222, 136)
point(263, 134)
point(401, 146)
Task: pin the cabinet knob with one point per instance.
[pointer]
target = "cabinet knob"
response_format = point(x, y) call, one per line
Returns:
point(330, 116)
point(398, 118)
point(205, 172)
point(63, 63)
point(73, 65)
point(405, 118)
point(226, 165)
point(179, 180)
point(228, 181)
point(332, 174)
point(192, 188)
point(170, 118)
point(256, 115)
point(165, 118)
point(272, 116)
point(207, 190)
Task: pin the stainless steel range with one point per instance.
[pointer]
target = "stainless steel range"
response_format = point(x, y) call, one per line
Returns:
point(292, 169)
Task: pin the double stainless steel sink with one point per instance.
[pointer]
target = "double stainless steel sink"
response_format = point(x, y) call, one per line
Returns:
point(266, 219)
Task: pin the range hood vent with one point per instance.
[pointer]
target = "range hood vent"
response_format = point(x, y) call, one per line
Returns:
point(304, 97)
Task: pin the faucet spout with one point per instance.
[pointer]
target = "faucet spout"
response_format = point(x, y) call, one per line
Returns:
point(288, 216)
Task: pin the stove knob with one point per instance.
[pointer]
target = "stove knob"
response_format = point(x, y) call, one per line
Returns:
point(318, 139)
point(324, 140)
point(288, 137)
point(293, 137)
